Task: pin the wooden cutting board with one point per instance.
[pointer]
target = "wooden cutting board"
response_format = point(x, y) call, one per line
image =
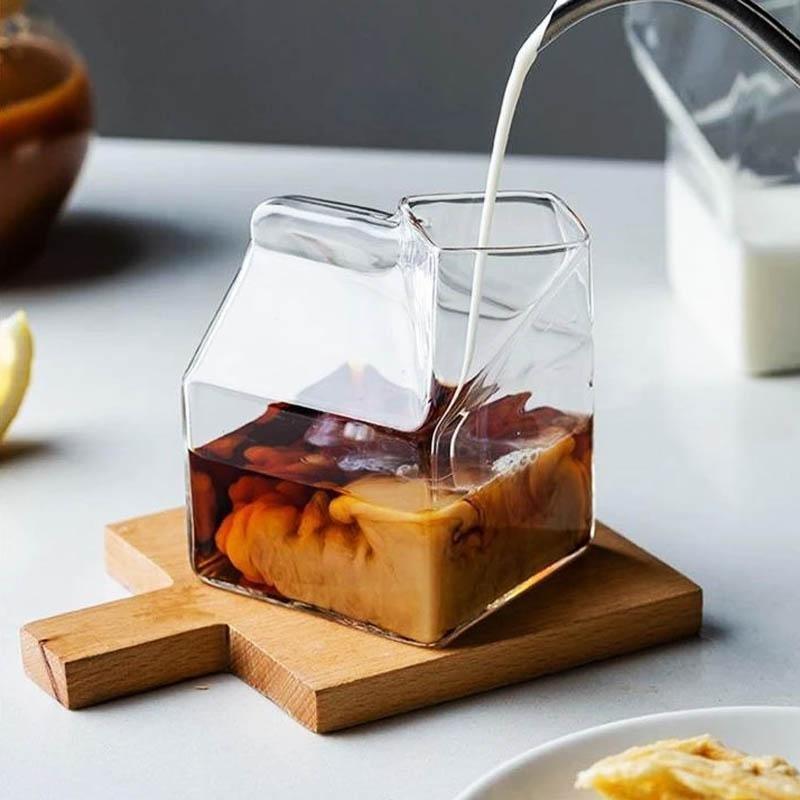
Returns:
point(614, 599)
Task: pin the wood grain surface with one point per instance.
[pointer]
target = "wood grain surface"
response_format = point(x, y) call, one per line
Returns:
point(614, 599)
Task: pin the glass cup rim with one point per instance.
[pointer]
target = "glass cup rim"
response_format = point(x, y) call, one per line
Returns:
point(557, 204)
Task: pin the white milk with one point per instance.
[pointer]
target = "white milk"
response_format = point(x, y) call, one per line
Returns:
point(733, 259)
point(524, 60)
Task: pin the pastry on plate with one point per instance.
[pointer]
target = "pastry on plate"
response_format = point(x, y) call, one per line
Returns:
point(700, 768)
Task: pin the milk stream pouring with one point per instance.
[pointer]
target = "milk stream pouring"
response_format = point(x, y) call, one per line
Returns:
point(523, 62)
point(732, 180)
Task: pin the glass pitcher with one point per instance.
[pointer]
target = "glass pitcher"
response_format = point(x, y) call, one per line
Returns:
point(334, 461)
point(732, 189)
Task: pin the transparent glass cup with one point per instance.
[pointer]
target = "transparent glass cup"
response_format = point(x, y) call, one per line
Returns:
point(334, 465)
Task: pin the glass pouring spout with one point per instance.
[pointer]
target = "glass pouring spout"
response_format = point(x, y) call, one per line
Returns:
point(756, 26)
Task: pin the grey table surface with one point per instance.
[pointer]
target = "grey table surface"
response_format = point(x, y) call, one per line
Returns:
point(694, 462)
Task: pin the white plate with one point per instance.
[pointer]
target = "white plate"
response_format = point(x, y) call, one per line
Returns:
point(548, 772)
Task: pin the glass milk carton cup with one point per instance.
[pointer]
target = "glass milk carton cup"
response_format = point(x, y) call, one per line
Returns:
point(732, 179)
point(332, 463)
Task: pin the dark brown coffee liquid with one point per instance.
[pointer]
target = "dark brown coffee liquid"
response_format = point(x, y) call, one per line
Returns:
point(334, 513)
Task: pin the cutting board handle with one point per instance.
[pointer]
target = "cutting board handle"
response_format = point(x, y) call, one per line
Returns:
point(127, 646)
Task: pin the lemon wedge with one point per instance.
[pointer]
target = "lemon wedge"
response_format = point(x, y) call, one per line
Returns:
point(16, 355)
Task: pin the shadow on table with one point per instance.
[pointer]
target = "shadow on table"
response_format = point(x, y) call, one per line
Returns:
point(92, 245)
point(16, 449)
